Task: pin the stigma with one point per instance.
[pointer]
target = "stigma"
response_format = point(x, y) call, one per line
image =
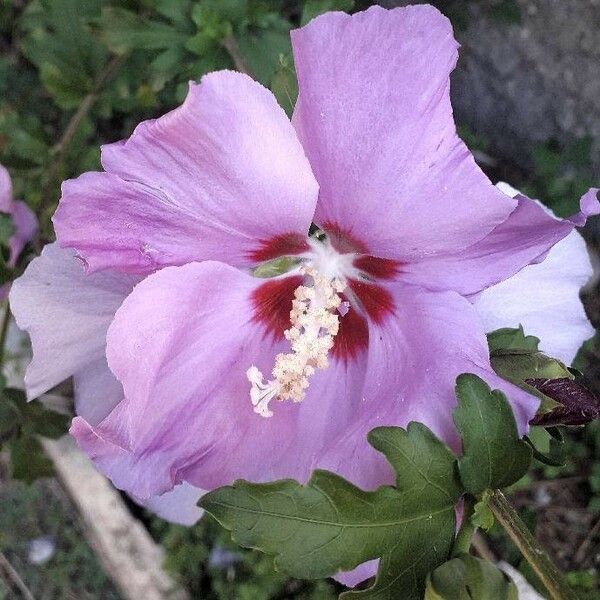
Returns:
point(314, 321)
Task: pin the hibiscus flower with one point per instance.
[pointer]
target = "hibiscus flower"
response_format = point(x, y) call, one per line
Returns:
point(191, 370)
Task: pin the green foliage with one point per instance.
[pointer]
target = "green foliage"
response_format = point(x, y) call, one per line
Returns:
point(313, 8)
point(41, 510)
point(203, 558)
point(482, 515)
point(467, 578)
point(21, 423)
point(331, 525)
point(516, 357)
point(493, 454)
point(561, 175)
point(6, 228)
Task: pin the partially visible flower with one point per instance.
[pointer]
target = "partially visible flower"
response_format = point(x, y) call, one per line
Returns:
point(544, 296)
point(67, 314)
point(24, 221)
point(374, 318)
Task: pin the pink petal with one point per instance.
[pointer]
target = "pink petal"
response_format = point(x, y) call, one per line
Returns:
point(525, 237)
point(414, 359)
point(375, 120)
point(361, 573)
point(96, 389)
point(589, 207)
point(66, 314)
point(24, 219)
point(181, 344)
point(26, 225)
point(222, 177)
point(5, 191)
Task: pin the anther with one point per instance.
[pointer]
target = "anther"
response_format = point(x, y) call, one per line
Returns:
point(314, 320)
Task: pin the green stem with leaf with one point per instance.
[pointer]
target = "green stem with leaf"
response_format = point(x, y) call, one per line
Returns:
point(462, 543)
point(539, 560)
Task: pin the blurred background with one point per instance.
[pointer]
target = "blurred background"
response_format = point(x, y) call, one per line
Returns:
point(75, 74)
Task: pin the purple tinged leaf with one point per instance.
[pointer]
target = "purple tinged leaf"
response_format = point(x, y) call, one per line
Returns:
point(578, 404)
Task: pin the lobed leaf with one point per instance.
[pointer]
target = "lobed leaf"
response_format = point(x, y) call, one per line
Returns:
point(493, 455)
point(330, 525)
point(576, 404)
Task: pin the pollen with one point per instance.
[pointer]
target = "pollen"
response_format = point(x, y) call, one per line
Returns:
point(314, 321)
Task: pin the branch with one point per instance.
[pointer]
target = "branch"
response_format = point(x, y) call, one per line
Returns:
point(230, 44)
point(60, 148)
point(13, 578)
point(539, 560)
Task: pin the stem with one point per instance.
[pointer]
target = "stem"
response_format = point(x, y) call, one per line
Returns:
point(4, 332)
point(230, 44)
point(10, 575)
point(539, 560)
point(462, 543)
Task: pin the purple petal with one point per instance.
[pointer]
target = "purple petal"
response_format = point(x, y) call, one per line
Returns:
point(96, 390)
point(414, 359)
point(525, 237)
point(66, 314)
point(375, 119)
point(589, 207)
point(361, 573)
point(5, 191)
point(26, 225)
point(24, 220)
point(181, 344)
point(180, 505)
point(222, 177)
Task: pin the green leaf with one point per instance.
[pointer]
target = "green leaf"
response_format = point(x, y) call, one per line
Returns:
point(468, 578)
point(516, 357)
point(314, 8)
point(60, 44)
point(10, 419)
point(482, 516)
point(508, 338)
point(34, 416)
point(262, 50)
point(548, 450)
point(329, 524)
point(284, 84)
point(227, 10)
point(494, 456)
point(7, 228)
point(29, 462)
point(47, 423)
point(123, 30)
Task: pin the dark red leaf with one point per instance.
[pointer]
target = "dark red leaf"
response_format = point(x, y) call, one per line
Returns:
point(579, 404)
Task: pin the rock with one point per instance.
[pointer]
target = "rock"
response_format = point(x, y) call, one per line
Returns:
point(521, 82)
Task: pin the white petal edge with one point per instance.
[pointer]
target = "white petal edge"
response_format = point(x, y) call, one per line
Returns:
point(544, 298)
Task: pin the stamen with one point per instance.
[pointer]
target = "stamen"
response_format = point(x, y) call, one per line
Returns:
point(315, 322)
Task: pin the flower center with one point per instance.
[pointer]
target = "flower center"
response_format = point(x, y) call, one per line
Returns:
point(314, 322)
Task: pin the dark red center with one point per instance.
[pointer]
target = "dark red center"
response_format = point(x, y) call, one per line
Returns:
point(368, 299)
